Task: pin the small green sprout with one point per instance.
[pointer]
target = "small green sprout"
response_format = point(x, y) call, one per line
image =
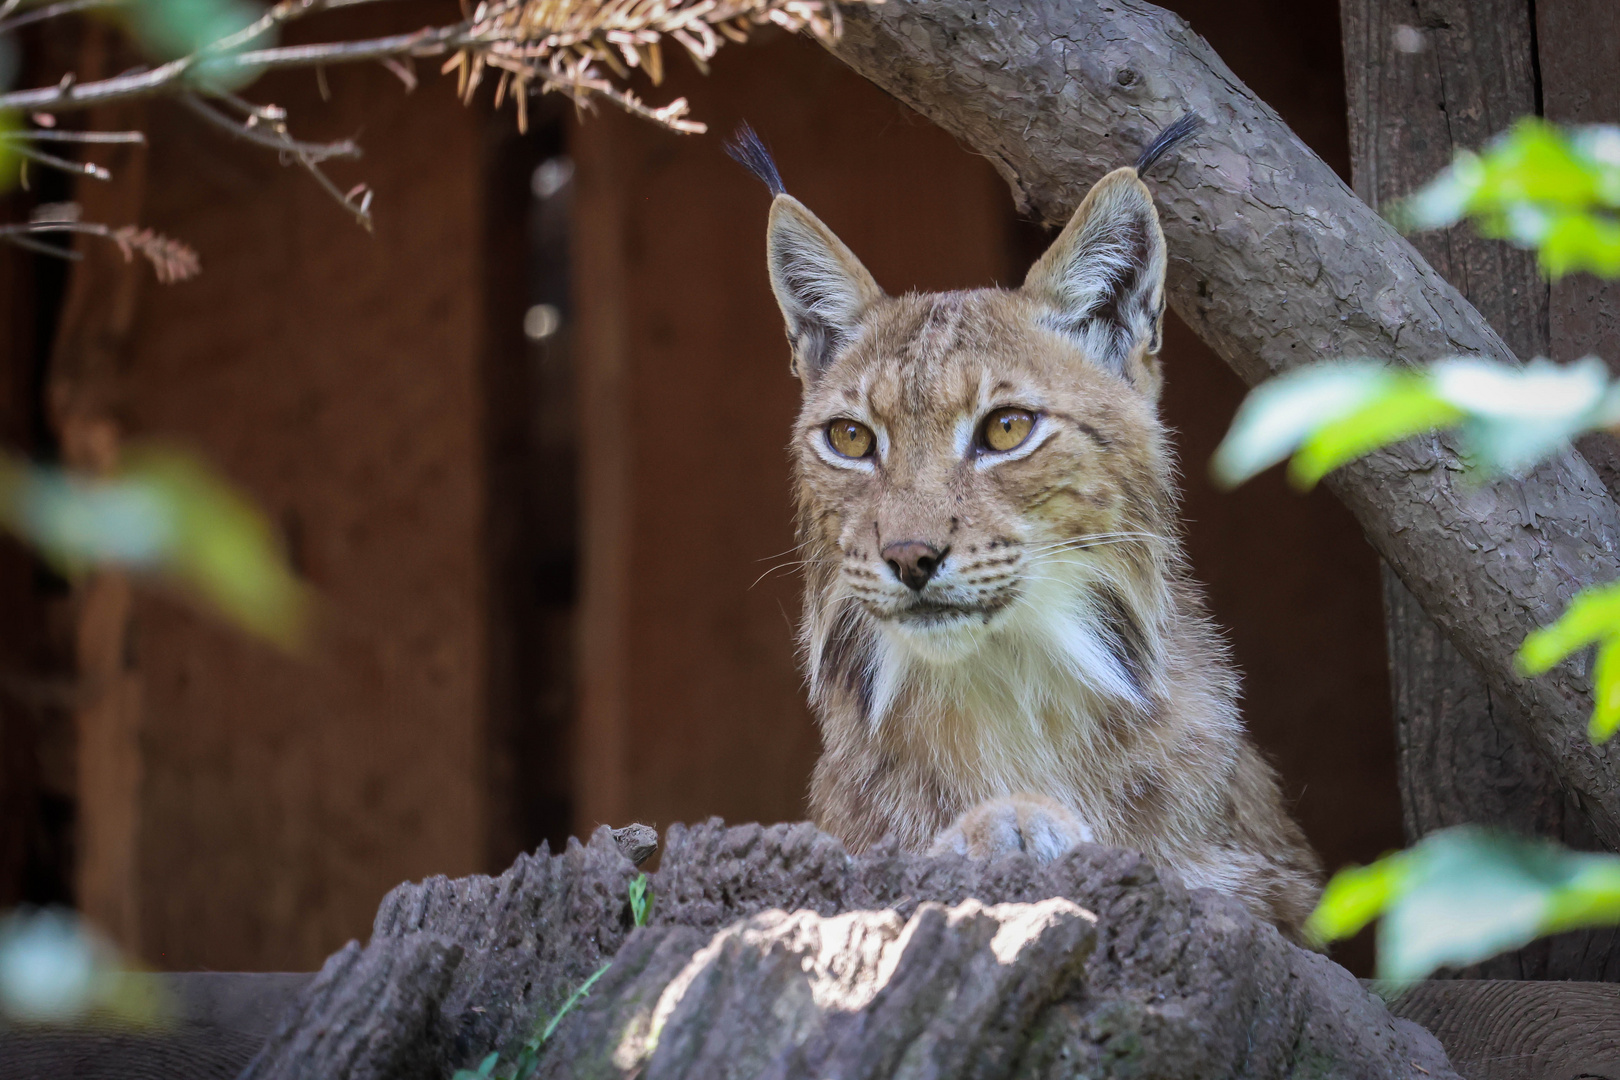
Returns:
point(641, 900)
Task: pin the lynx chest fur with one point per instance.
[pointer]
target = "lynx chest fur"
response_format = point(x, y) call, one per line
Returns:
point(1003, 647)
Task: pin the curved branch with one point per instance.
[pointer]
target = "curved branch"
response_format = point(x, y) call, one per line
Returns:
point(1276, 263)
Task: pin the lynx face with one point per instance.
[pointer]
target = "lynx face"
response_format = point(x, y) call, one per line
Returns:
point(968, 462)
point(983, 468)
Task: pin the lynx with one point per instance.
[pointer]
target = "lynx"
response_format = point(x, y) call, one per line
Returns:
point(1004, 649)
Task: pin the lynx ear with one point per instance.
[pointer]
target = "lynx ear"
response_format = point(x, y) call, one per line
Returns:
point(1102, 280)
point(821, 286)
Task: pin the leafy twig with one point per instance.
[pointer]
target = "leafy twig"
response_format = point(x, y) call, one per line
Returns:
point(543, 45)
point(171, 260)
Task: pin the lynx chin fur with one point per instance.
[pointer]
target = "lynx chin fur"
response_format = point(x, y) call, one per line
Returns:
point(1004, 649)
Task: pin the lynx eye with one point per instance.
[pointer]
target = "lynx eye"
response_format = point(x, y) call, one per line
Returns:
point(1006, 429)
point(849, 439)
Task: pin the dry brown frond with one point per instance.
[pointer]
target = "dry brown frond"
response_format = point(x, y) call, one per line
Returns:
point(171, 260)
point(563, 45)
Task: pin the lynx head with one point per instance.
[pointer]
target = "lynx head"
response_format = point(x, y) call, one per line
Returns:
point(985, 466)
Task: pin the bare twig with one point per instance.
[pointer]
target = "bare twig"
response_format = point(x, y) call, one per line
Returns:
point(271, 133)
point(52, 135)
point(51, 11)
point(38, 247)
point(78, 168)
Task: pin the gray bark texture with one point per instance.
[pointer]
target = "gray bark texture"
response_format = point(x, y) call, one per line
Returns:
point(1460, 72)
point(773, 953)
point(1276, 263)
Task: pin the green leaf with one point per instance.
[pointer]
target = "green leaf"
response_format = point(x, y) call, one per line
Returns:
point(1515, 416)
point(573, 999)
point(164, 514)
point(641, 900)
point(1592, 615)
point(1463, 895)
point(1539, 186)
point(1281, 413)
point(487, 1066)
point(10, 160)
point(1355, 897)
point(1605, 692)
point(1407, 406)
point(1509, 417)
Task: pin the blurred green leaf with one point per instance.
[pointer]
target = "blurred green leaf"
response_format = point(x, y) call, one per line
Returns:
point(1406, 406)
point(1281, 413)
point(1537, 185)
point(10, 160)
point(211, 30)
point(166, 514)
point(55, 969)
point(1329, 414)
point(1593, 616)
point(1355, 897)
point(1463, 895)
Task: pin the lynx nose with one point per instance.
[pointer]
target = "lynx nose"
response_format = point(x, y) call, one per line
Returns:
point(914, 562)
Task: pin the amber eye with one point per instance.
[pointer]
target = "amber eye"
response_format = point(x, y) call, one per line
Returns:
point(849, 439)
point(1006, 429)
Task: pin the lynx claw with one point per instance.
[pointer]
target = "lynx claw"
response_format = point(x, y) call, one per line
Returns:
point(1033, 824)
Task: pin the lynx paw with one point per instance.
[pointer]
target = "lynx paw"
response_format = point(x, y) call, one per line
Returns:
point(1043, 827)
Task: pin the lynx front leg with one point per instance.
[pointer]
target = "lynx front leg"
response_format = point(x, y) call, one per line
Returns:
point(1034, 823)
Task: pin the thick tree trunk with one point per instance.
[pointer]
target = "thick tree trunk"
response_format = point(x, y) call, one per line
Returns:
point(1276, 263)
point(1423, 79)
point(773, 953)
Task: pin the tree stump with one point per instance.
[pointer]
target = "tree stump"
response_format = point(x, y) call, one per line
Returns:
point(771, 952)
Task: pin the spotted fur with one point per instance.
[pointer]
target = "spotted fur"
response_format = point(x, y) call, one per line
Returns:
point(1057, 679)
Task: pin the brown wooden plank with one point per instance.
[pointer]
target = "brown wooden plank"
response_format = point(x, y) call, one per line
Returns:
point(1425, 78)
point(1577, 42)
point(1496, 1029)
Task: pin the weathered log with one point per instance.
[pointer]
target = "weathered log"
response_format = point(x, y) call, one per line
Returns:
point(1275, 263)
point(772, 952)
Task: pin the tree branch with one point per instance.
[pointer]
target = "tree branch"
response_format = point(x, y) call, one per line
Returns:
point(273, 137)
point(1275, 263)
point(51, 11)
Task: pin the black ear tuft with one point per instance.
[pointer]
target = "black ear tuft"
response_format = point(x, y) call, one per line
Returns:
point(747, 149)
point(1183, 129)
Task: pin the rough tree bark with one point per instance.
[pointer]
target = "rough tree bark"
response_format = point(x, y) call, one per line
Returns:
point(1275, 263)
point(773, 953)
point(1423, 79)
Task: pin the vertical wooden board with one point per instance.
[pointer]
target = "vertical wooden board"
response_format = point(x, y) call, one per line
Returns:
point(1578, 42)
point(709, 716)
point(333, 375)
